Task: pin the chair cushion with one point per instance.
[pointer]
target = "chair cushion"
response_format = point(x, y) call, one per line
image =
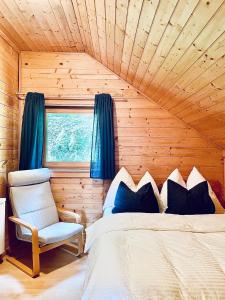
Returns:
point(58, 232)
point(35, 205)
point(28, 177)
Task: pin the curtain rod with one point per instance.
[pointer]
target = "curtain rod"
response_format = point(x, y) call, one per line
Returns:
point(22, 96)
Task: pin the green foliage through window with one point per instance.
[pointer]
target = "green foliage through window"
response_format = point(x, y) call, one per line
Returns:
point(68, 137)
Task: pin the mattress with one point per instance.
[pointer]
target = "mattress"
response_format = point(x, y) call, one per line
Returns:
point(155, 256)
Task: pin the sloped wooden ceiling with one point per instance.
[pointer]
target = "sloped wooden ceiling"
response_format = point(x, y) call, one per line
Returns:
point(171, 50)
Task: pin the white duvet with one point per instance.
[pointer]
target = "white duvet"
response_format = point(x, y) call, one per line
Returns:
point(156, 256)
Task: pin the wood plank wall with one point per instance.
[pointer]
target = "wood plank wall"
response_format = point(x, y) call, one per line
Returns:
point(171, 50)
point(8, 112)
point(147, 136)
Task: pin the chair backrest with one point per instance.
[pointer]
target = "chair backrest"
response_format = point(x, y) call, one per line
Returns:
point(31, 198)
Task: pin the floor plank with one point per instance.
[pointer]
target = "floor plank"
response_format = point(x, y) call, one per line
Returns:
point(62, 277)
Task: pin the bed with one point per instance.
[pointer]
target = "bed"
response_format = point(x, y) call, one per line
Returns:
point(139, 256)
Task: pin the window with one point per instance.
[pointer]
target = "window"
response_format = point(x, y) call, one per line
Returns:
point(68, 137)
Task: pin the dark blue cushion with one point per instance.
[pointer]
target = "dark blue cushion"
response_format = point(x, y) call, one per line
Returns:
point(189, 202)
point(143, 200)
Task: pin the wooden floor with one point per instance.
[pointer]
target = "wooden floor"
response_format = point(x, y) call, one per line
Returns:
point(62, 277)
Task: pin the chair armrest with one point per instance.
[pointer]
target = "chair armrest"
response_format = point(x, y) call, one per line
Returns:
point(23, 223)
point(33, 229)
point(68, 216)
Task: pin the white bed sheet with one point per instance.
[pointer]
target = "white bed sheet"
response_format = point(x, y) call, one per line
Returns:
point(156, 256)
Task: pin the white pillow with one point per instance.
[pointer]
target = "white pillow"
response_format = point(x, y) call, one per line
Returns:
point(124, 176)
point(194, 178)
point(176, 177)
point(146, 179)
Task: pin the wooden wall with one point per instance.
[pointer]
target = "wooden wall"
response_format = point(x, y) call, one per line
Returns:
point(8, 112)
point(147, 136)
point(171, 50)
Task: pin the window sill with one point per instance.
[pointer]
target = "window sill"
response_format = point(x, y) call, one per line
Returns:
point(70, 172)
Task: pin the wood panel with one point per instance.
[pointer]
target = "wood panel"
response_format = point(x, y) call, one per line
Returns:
point(223, 154)
point(171, 50)
point(8, 112)
point(62, 275)
point(147, 136)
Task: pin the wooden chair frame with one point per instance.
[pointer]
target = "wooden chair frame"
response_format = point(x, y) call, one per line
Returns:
point(64, 215)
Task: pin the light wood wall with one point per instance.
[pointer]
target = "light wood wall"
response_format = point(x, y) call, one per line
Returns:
point(147, 136)
point(8, 112)
point(171, 50)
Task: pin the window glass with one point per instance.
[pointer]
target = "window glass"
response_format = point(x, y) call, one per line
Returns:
point(68, 137)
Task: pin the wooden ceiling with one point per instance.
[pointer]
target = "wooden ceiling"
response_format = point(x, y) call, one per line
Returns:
point(171, 50)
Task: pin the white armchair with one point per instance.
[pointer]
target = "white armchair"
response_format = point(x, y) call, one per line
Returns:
point(37, 218)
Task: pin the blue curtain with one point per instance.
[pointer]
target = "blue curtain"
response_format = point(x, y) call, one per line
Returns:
point(103, 146)
point(32, 134)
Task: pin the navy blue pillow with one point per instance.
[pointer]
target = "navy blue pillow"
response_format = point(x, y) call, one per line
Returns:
point(143, 200)
point(189, 202)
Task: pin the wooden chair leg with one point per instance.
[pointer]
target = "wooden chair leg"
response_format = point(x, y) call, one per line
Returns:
point(22, 266)
point(35, 270)
point(35, 260)
point(80, 249)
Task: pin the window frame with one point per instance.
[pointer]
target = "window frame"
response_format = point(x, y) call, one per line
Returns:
point(65, 166)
